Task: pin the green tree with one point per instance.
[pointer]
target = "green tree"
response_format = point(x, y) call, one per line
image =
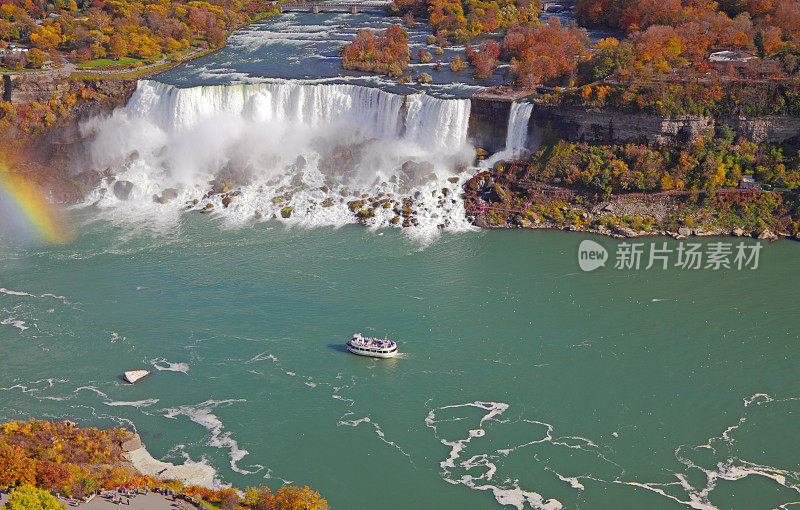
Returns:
point(609, 56)
point(27, 497)
point(758, 42)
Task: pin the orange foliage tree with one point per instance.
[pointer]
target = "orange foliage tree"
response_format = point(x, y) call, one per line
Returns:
point(384, 52)
point(539, 53)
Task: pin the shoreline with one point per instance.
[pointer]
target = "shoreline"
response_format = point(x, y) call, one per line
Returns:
point(498, 199)
point(188, 473)
point(715, 233)
point(88, 461)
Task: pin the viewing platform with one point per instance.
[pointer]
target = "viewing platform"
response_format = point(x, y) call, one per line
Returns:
point(503, 93)
point(557, 5)
point(318, 7)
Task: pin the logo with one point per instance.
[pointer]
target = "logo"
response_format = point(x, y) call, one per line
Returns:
point(591, 255)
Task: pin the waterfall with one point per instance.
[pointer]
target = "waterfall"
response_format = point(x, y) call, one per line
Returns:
point(427, 120)
point(311, 149)
point(441, 123)
point(518, 119)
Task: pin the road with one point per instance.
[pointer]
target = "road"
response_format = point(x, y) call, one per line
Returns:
point(69, 68)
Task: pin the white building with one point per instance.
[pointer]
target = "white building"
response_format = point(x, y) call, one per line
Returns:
point(730, 56)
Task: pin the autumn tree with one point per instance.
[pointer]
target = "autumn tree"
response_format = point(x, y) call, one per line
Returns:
point(484, 60)
point(36, 58)
point(117, 47)
point(384, 52)
point(27, 497)
point(296, 498)
point(544, 52)
point(609, 56)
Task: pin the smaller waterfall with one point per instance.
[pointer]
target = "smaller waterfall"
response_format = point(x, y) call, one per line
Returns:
point(518, 119)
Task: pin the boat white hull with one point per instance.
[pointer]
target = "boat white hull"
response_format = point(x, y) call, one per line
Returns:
point(372, 354)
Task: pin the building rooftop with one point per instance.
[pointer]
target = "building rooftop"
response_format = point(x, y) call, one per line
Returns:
point(730, 56)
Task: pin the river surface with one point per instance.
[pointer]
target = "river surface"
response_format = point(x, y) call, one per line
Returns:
point(522, 381)
point(610, 389)
point(305, 46)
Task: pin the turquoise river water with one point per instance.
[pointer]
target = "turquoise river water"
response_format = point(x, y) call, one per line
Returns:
point(522, 380)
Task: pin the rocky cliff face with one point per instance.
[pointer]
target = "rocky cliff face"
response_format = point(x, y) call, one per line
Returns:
point(488, 123)
point(607, 126)
point(20, 89)
point(52, 153)
point(773, 128)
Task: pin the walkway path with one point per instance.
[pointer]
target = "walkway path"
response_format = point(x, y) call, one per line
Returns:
point(149, 501)
point(69, 68)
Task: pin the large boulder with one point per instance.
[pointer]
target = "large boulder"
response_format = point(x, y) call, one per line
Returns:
point(169, 194)
point(767, 234)
point(500, 194)
point(134, 442)
point(122, 189)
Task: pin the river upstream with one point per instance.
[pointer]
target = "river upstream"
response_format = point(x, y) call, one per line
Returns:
point(523, 380)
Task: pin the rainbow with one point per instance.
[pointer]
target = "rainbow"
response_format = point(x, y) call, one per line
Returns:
point(26, 212)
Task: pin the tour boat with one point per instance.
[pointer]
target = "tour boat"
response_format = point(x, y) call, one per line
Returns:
point(373, 347)
point(133, 376)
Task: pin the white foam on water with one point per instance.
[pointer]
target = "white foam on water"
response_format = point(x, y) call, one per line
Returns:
point(92, 389)
point(16, 323)
point(203, 416)
point(573, 481)
point(136, 403)
point(190, 473)
point(29, 386)
point(758, 399)
point(727, 466)
point(263, 357)
point(14, 292)
point(366, 419)
point(9, 292)
point(168, 366)
point(506, 493)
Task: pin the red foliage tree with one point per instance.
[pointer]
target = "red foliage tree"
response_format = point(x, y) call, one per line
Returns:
point(384, 52)
point(544, 52)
